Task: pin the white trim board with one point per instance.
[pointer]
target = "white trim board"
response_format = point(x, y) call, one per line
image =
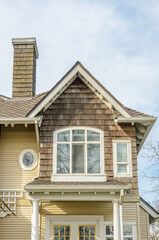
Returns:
point(74, 220)
point(66, 81)
point(148, 209)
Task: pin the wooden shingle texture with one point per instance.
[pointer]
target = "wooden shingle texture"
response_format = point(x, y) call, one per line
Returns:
point(79, 106)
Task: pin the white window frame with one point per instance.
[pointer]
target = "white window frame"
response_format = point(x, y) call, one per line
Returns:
point(134, 229)
point(74, 221)
point(90, 177)
point(35, 161)
point(129, 156)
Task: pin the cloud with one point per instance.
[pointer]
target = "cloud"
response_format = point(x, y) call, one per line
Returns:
point(116, 40)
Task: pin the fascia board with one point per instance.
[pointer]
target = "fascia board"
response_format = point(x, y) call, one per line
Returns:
point(149, 210)
point(70, 188)
point(135, 119)
point(55, 91)
point(105, 94)
point(149, 120)
point(74, 71)
point(20, 120)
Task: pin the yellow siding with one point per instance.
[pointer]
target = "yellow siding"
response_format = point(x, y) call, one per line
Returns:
point(144, 225)
point(75, 208)
point(130, 212)
point(17, 227)
point(13, 141)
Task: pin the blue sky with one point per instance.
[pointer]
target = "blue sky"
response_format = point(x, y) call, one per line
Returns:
point(117, 41)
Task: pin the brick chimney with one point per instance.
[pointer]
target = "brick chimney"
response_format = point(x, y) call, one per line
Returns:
point(24, 67)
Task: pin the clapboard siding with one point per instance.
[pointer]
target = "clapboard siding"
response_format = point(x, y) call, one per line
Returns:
point(13, 141)
point(130, 212)
point(75, 208)
point(79, 106)
point(144, 224)
point(17, 227)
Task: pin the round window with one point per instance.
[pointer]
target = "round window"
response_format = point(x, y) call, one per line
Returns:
point(28, 159)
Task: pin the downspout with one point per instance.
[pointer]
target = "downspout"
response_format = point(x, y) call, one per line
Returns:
point(37, 135)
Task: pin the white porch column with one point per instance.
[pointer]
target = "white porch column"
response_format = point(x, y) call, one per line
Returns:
point(35, 218)
point(121, 220)
point(116, 220)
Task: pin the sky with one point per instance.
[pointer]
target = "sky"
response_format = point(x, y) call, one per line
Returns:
point(117, 41)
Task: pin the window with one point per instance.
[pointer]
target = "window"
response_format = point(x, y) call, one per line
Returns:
point(129, 232)
point(122, 158)
point(78, 151)
point(86, 232)
point(61, 232)
point(28, 159)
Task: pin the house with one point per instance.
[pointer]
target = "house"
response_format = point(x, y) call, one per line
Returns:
point(68, 158)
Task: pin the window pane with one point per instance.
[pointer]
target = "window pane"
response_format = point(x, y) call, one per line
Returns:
point(61, 230)
point(122, 168)
point(128, 238)
point(86, 230)
point(56, 230)
point(67, 230)
point(78, 135)
point(122, 152)
point(77, 158)
point(93, 158)
point(63, 158)
point(92, 230)
point(109, 230)
point(63, 136)
point(93, 136)
point(127, 230)
point(81, 230)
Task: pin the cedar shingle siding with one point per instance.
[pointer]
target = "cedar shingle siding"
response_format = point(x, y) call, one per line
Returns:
point(79, 106)
point(24, 71)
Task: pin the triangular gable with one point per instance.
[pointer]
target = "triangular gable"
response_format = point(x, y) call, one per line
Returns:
point(79, 71)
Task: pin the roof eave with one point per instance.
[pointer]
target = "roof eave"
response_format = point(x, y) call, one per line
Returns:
point(145, 120)
point(24, 120)
point(70, 188)
point(151, 211)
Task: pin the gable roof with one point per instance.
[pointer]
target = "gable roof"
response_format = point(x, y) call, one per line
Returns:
point(149, 209)
point(32, 107)
point(78, 70)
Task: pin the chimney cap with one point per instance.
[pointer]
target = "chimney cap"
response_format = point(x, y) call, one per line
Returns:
point(16, 41)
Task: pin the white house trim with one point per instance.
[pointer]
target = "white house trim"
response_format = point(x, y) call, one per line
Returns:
point(74, 220)
point(129, 155)
point(66, 81)
point(148, 209)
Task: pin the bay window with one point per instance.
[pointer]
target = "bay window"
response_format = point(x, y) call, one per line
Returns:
point(78, 151)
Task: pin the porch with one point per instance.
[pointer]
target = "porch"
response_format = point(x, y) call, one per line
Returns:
point(90, 206)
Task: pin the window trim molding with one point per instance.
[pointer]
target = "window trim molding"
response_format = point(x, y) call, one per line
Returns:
point(115, 142)
point(79, 177)
point(34, 164)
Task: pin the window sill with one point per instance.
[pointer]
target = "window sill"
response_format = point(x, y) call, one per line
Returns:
point(123, 175)
point(78, 178)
